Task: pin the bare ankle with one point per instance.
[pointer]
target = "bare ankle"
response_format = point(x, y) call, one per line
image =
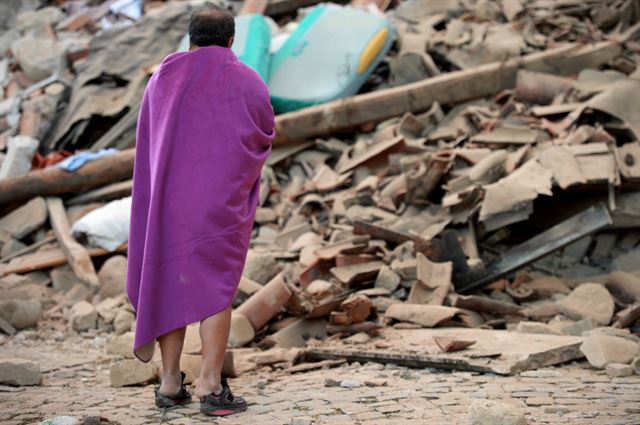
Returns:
point(208, 386)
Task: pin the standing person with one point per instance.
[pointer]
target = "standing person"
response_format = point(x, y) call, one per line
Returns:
point(204, 132)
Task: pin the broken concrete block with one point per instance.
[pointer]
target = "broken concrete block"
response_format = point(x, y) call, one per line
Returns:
point(298, 333)
point(421, 314)
point(589, 300)
point(82, 316)
point(63, 278)
point(123, 321)
point(79, 292)
point(20, 313)
point(624, 286)
point(131, 372)
point(19, 372)
point(635, 365)
point(26, 219)
point(358, 338)
point(601, 350)
point(387, 279)
point(619, 369)
point(112, 276)
point(40, 58)
point(527, 327)
point(492, 412)
point(121, 345)
point(260, 267)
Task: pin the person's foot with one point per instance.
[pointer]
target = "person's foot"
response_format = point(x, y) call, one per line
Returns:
point(171, 383)
point(177, 398)
point(222, 404)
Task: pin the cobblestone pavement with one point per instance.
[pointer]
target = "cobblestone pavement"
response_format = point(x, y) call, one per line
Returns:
point(76, 383)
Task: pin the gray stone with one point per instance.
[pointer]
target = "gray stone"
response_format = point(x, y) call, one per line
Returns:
point(579, 327)
point(107, 309)
point(35, 19)
point(63, 278)
point(387, 279)
point(589, 300)
point(619, 369)
point(351, 383)
point(20, 151)
point(24, 220)
point(601, 350)
point(131, 372)
point(21, 313)
point(635, 365)
point(611, 331)
point(112, 276)
point(527, 327)
point(7, 38)
point(260, 267)
point(493, 412)
point(40, 57)
point(121, 345)
point(19, 372)
point(83, 316)
point(123, 321)
point(11, 246)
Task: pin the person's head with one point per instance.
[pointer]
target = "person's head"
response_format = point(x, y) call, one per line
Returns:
point(211, 26)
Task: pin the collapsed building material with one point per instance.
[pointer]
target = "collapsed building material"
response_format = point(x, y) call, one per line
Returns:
point(495, 351)
point(263, 305)
point(546, 242)
point(454, 87)
point(78, 257)
point(56, 181)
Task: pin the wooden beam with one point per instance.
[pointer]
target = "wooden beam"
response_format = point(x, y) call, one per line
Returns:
point(56, 181)
point(78, 257)
point(107, 193)
point(47, 259)
point(451, 88)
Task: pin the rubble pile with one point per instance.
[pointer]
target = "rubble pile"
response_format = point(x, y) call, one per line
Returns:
point(486, 179)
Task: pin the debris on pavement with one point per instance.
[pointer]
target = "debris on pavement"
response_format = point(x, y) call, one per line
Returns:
point(470, 202)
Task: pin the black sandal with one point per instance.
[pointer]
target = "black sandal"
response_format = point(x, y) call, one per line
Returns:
point(222, 404)
point(183, 396)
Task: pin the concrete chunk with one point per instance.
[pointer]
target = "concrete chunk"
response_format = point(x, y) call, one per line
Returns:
point(21, 314)
point(121, 345)
point(535, 328)
point(26, 219)
point(82, 316)
point(387, 279)
point(112, 276)
point(589, 300)
point(20, 151)
point(602, 350)
point(131, 372)
point(40, 58)
point(123, 321)
point(19, 372)
point(492, 412)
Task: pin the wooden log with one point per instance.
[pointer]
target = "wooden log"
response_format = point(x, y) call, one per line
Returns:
point(266, 303)
point(56, 181)
point(451, 88)
point(78, 257)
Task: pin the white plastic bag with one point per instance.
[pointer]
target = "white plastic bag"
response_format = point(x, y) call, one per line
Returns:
point(106, 227)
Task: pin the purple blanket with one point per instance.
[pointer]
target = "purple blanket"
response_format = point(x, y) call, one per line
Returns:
point(204, 132)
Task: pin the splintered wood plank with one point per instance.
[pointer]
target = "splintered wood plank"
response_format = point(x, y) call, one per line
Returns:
point(78, 257)
point(107, 193)
point(495, 351)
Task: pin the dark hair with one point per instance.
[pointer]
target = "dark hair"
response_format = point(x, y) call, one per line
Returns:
point(211, 26)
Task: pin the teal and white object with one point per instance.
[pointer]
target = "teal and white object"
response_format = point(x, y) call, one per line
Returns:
point(251, 43)
point(328, 56)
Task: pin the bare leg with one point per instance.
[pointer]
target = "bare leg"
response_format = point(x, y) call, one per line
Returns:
point(171, 348)
point(214, 332)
